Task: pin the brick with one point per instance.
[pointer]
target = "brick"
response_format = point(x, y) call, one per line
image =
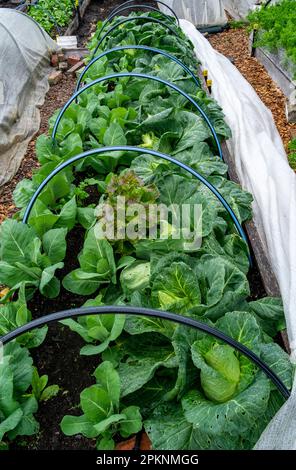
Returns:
point(73, 59)
point(76, 67)
point(63, 66)
point(54, 61)
point(55, 77)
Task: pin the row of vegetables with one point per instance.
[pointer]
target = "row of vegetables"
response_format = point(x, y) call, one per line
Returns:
point(186, 389)
point(52, 15)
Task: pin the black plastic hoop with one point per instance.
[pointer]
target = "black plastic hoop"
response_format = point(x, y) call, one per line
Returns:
point(146, 19)
point(120, 310)
point(128, 7)
point(136, 47)
point(148, 77)
point(162, 3)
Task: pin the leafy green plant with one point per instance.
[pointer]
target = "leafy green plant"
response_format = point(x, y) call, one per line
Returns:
point(40, 390)
point(103, 417)
point(61, 11)
point(97, 266)
point(292, 154)
point(97, 329)
point(16, 409)
point(24, 257)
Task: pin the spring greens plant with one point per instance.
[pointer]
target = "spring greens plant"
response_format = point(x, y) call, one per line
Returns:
point(103, 416)
point(24, 257)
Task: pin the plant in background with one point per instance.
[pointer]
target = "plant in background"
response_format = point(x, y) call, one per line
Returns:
point(104, 417)
point(276, 27)
point(61, 11)
point(292, 154)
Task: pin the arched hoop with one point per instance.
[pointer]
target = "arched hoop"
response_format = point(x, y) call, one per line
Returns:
point(162, 3)
point(154, 153)
point(145, 19)
point(147, 312)
point(137, 47)
point(149, 77)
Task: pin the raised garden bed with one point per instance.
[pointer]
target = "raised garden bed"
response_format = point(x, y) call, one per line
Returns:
point(188, 370)
point(57, 18)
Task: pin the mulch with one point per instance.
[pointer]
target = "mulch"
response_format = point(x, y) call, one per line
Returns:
point(234, 44)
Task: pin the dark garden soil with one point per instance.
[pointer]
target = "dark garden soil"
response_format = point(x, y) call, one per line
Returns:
point(99, 10)
point(4, 4)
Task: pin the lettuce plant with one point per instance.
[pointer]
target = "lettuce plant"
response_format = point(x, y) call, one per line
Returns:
point(62, 12)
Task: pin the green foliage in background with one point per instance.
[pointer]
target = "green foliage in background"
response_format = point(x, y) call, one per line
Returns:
point(276, 26)
point(47, 10)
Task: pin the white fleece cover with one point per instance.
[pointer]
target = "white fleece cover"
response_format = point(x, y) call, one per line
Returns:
point(25, 51)
point(263, 169)
point(210, 12)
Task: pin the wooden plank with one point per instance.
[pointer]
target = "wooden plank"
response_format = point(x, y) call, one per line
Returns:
point(273, 66)
point(74, 25)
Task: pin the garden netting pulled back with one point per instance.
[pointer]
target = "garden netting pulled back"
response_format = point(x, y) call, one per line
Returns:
point(24, 61)
point(211, 12)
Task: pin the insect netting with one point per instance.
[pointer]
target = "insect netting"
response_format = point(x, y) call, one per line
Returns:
point(211, 12)
point(24, 62)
